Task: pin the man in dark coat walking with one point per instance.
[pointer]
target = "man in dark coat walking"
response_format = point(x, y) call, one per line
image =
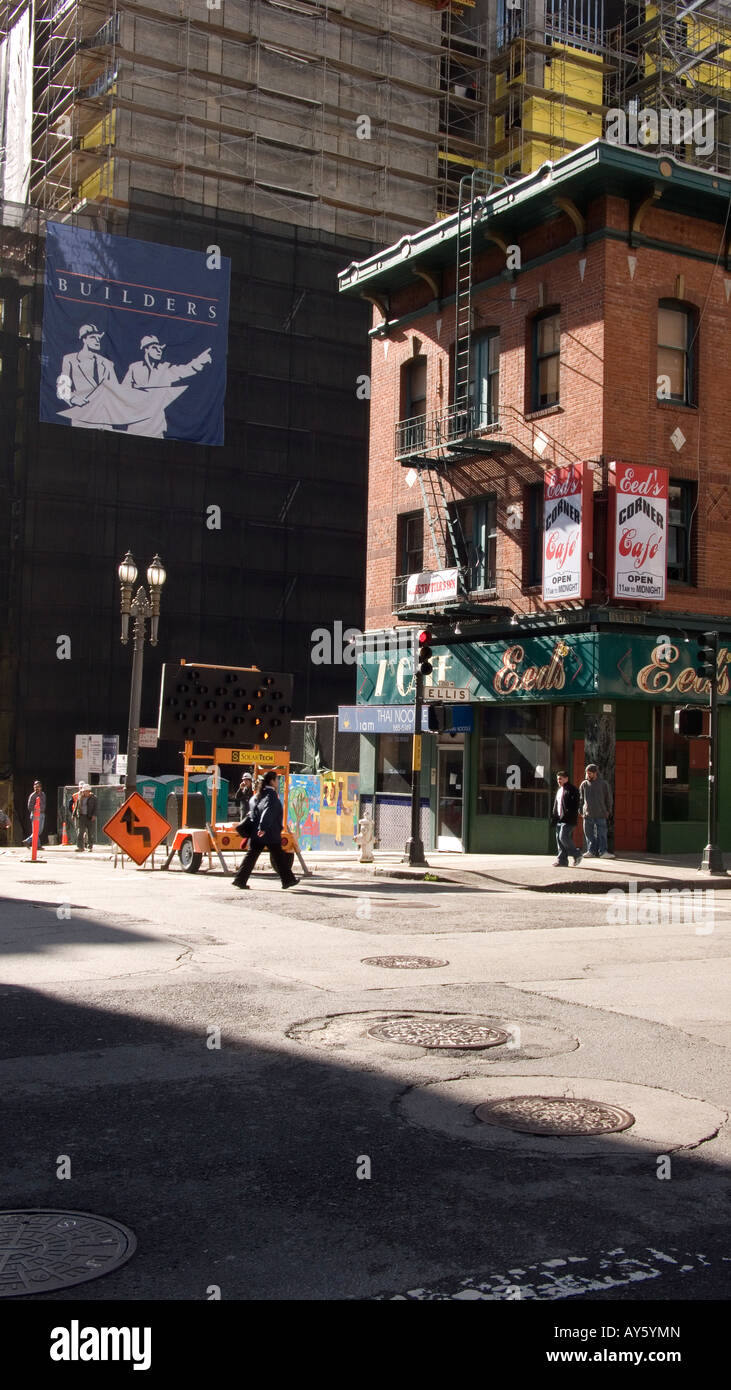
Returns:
point(565, 817)
point(267, 817)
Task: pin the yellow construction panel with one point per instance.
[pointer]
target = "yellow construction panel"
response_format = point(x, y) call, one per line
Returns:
point(103, 133)
point(99, 185)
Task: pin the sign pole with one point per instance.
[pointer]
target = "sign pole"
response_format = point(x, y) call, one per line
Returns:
point(712, 862)
point(135, 699)
point(414, 852)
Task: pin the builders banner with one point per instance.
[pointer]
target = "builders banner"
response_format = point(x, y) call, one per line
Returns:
point(134, 336)
point(567, 532)
point(639, 511)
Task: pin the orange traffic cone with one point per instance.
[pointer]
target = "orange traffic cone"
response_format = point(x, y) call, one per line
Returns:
point(64, 836)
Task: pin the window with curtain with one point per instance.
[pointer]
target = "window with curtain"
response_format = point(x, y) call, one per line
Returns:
point(410, 543)
point(675, 353)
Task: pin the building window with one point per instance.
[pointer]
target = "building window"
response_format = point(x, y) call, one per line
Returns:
point(477, 543)
point(515, 762)
point(533, 523)
point(675, 363)
point(546, 357)
point(410, 542)
point(412, 429)
point(683, 772)
point(681, 504)
point(393, 770)
point(485, 379)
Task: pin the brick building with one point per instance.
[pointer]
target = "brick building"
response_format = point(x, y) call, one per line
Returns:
point(578, 318)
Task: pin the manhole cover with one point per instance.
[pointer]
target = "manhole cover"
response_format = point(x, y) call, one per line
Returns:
point(404, 962)
point(41, 1251)
point(554, 1115)
point(437, 1034)
point(47, 882)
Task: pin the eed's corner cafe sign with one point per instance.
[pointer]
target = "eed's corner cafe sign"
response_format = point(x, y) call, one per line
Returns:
point(638, 531)
point(567, 532)
point(582, 666)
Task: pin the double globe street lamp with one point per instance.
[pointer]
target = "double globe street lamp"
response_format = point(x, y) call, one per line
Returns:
point(141, 607)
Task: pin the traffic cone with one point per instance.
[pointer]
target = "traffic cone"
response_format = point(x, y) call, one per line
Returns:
point(64, 836)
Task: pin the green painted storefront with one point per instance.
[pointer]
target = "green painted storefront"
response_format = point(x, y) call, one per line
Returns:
point(543, 701)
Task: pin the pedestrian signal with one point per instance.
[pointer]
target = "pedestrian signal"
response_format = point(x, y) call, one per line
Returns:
point(238, 705)
point(688, 722)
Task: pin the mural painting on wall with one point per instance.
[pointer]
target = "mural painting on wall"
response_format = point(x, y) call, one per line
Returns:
point(303, 810)
point(339, 814)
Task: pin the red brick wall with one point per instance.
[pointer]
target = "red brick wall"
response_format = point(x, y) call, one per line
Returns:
point(607, 394)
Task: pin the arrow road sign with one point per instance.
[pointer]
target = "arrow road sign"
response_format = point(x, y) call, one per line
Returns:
point(137, 828)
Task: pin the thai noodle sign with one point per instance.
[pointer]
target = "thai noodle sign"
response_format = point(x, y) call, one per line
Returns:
point(567, 529)
point(639, 513)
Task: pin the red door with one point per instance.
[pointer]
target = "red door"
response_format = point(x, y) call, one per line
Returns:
point(630, 796)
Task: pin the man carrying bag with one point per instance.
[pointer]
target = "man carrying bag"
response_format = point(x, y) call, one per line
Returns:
point(264, 827)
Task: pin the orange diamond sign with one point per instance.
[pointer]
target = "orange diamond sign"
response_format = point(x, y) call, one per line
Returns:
point(137, 828)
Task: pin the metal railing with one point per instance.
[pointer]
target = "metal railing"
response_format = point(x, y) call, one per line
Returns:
point(444, 427)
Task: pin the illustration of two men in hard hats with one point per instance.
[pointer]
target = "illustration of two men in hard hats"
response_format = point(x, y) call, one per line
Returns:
point(95, 399)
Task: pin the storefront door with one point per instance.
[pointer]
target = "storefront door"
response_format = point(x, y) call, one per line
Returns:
point(449, 798)
point(630, 795)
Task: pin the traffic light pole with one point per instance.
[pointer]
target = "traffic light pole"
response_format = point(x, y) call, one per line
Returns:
point(414, 853)
point(712, 862)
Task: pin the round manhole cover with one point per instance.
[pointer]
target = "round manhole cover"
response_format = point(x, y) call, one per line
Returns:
point(435, 1033)
point(404, 962)
point(554, 1115)
point(41, 1251)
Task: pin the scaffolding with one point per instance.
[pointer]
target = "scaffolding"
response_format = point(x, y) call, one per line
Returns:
point(358, 119)
point(557, 67)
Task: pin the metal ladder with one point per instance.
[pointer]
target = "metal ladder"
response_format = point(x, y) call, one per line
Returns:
point(449, 538)
point(472, 186)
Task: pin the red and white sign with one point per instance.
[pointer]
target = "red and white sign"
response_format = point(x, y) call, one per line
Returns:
point(568, 495)
point(433, 584)
point(148, 738)
point(639, 512)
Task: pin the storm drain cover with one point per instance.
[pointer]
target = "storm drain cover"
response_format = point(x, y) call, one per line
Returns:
point(554, 1115)
point(41, 1251)
point(404, 962)
point(435, 1033)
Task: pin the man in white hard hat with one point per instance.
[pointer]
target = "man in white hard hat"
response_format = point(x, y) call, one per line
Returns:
point(83, 371)
point(152, 373)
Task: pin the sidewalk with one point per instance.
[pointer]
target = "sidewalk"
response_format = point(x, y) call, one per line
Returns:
point(496, 872)
point(533, 872)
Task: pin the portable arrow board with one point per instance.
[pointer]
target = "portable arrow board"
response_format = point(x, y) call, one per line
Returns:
point(137, 828)
point(225, 705)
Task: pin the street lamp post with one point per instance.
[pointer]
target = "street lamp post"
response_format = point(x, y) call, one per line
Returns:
point(141, 607)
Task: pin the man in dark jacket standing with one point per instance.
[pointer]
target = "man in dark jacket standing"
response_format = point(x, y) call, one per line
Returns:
point(565, 816)
point(268, 818)
point(85, 819)
point(37, 795)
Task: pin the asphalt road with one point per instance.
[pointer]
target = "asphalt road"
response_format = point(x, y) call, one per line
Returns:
point(203, 1060)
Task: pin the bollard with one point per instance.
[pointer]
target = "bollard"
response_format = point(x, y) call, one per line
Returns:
point(36, 830)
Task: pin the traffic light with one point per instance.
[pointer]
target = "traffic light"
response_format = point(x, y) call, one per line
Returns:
point(235, 706)
point(425, 652)
point(706, 664)
point(688, 722)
